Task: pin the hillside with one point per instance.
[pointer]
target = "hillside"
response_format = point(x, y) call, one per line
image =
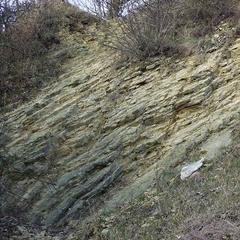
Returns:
point(97, 143)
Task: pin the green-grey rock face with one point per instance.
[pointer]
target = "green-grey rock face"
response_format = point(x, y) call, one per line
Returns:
point(94, 139)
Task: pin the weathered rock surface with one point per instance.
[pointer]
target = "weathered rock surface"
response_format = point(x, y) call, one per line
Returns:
point(99, 134)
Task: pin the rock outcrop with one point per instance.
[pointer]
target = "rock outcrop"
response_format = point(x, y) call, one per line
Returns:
point(95, 138)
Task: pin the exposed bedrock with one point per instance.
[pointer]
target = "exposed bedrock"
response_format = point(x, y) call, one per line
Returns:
point(96, 137)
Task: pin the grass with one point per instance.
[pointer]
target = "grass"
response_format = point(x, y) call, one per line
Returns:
point(206, 206)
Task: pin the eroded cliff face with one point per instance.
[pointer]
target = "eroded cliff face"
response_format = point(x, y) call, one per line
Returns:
point(95, 138)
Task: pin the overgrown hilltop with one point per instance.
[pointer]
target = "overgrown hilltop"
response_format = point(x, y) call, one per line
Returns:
point(97, 154)
point(33, 46)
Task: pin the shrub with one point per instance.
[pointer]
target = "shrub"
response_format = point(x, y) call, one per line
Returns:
point(149, 31)
point(25, 63)
point(209, 11)
point(201, 17)
point(159, 27)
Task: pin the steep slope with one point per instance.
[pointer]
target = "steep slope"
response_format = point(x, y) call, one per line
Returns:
point(95, 138)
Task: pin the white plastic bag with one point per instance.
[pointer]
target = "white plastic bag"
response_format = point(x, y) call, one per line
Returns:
point(188, 170)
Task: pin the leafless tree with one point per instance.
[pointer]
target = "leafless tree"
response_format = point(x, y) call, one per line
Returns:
point(7, 13)
point(104, 8)
point(10, 10)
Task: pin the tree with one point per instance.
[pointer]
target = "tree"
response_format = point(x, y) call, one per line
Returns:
point(116, 7)
point(10, 10)
point(105, 8)
point(7, 14)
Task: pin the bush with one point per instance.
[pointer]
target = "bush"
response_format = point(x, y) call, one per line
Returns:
point(158, 27)
point(209, 11)
point(25, 62)
point(149, 31)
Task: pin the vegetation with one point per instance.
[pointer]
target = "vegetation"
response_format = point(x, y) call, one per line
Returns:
point(210, 12)
point(159, 27)
point(149, 30)
point(28, 36)
point(105, 8)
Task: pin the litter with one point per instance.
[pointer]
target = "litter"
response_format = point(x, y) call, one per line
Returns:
point(188, 170)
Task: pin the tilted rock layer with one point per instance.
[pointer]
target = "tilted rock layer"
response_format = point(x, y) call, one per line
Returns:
point(96, 137)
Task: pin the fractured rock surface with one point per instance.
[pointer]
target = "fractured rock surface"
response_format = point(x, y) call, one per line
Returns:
point(99, 134)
